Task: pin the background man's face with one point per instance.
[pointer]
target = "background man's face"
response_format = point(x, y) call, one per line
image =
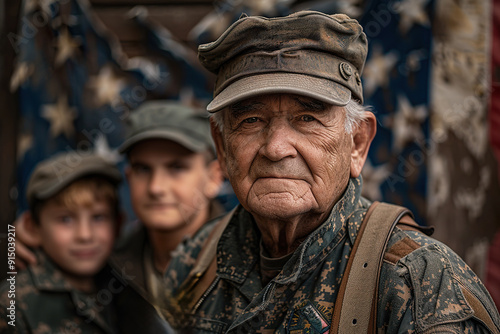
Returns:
point(285, 155)
point(168, 184)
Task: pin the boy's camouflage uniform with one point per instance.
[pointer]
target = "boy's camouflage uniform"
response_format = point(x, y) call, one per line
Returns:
point(46, 303)
point(422, 292)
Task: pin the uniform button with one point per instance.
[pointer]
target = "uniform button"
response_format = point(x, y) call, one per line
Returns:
point(345, 70)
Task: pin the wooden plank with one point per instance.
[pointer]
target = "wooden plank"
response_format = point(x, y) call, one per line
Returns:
point(150, 2)
point(8, 127)
point(179, 20)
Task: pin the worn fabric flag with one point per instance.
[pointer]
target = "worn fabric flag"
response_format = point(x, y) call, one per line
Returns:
point(395, 82)
point(68, 89)
point(464, 189)
point(76, 86)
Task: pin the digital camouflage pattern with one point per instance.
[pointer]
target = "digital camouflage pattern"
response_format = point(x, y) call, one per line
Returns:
point(133, 257)
point(130, 257)
point(46, 303)
point(422, 292)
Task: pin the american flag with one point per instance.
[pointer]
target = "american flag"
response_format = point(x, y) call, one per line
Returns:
point(428, 77)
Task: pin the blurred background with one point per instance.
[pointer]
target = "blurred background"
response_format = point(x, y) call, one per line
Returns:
point(72, 70)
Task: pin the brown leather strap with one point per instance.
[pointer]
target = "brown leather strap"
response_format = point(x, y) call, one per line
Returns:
point(341, 294)
point(408, 224)
point(203, 286)
point(355, 307)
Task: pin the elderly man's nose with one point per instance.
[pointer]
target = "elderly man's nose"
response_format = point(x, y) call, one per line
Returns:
point(279, 143)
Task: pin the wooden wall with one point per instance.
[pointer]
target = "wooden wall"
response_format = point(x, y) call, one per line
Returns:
point(178, 17)
point(8, 126)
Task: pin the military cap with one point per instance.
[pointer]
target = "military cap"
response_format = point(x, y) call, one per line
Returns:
point(55, 173)
point(307, 53)
point(170, 120)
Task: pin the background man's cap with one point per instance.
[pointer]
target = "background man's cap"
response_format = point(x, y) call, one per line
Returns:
point(55, 173)
point(162, 119)
point(307, 53)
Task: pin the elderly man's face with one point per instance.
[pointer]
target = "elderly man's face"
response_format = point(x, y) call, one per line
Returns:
point(285, 155)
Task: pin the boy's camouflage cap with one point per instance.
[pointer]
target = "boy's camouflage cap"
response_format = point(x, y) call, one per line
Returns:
point(170, 120)
point(55, 173)
point(307, 53)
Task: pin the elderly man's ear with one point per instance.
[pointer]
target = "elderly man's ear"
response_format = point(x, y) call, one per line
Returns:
point(362, 137)
point(219, 147)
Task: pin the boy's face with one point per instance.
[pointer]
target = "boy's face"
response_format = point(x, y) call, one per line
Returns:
point(79, 239)
point(170, 186)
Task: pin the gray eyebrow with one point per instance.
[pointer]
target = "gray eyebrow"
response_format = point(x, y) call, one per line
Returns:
point(241, 107)
point(311, 104)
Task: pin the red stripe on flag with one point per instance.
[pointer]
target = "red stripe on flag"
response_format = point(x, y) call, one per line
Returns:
point(492, 281)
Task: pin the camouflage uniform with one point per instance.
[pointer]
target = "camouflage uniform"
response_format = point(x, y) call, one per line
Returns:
point(138, 303)
point(422, 292)
point(45, 302)
point(134, 258)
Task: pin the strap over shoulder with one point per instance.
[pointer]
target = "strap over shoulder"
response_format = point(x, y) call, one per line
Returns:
point(355, 307)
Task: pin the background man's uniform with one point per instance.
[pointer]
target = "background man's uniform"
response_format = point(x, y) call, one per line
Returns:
point(134, 256)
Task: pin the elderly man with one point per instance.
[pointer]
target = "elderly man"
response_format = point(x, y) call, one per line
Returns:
point(292, 137)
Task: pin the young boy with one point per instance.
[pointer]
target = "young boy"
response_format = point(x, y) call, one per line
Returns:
point(74, 218)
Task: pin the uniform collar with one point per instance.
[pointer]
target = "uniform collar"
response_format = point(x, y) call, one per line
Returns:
point(129, 255)
point(238, 248)
point(134, 255)
point(47, 277)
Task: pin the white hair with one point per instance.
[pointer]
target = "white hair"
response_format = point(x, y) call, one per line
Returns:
point(218, 119)
point(355, 114)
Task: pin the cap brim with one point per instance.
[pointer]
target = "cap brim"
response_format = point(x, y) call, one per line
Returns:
point(178, 137)
point(318, 88)
point(112, 175)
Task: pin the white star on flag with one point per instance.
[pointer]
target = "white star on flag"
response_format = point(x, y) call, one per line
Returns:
point(24, 143)
point(102, 149)
point(407, 123)
point(411, 12)
point(376, 73)
point(61, 117)
point(373, 177)
point(21, 73)
point(66, 47)
point(107, 87)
